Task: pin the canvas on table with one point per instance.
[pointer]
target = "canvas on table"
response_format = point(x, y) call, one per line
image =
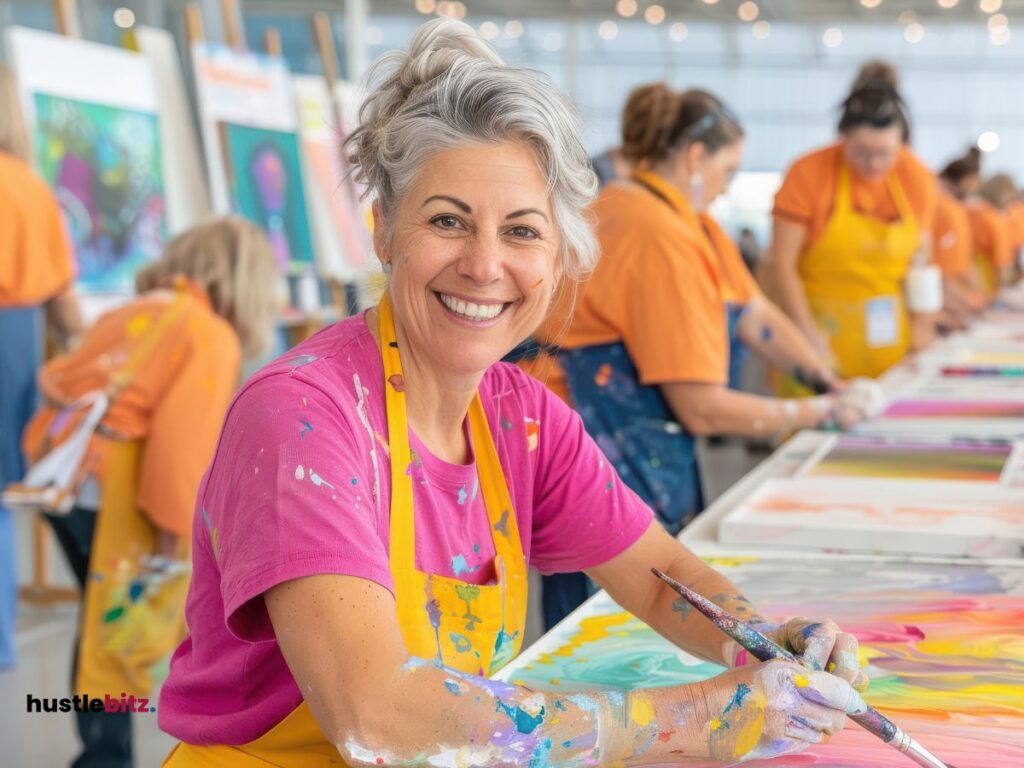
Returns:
point(930, 517)
point(97, 142)
point(941, 643)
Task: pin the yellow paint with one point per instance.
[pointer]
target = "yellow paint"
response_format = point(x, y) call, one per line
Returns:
point(749, 734)
point(716, 724)
point(138, 325)
point(641, 710)
point(801, 681)
point(730, 562)
point(592, 630)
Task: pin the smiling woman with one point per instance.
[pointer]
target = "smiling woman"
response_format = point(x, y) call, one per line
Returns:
point(377, 495)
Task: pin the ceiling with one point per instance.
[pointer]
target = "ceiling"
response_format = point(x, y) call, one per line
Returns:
point(814, 11)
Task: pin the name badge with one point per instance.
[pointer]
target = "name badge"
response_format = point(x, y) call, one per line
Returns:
point(882, 322)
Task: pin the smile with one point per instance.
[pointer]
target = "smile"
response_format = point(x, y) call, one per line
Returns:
point(471, 311)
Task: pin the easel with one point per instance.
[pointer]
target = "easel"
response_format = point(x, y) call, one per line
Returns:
point(39, 591)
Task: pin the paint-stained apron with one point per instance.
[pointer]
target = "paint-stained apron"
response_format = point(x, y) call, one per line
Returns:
point(853, 276)
point(128, 627)
point(21, 353)
point(476, 629)
point(988, 274)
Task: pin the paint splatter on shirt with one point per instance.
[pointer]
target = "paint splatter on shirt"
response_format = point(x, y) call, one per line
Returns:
point(314, 508)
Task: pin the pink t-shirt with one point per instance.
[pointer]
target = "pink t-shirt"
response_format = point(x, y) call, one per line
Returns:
point(300, 485)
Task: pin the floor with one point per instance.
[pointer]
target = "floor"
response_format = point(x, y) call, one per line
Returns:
point(45, 636)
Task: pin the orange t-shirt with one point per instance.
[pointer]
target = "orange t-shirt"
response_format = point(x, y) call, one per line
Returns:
point(35, 255)
point(658, 289)
point(738, 285)
point(951, 237)
point(808, 192)
point(992, 234)
point(1015, 210)
point(175, 402)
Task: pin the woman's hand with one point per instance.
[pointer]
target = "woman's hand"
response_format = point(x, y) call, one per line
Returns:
point(771, 709)
point(821, 645)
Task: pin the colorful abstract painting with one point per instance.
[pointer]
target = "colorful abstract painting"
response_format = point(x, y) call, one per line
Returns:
point(104, 166)
point(942, 645)
point(266, 186)
point(908, 460)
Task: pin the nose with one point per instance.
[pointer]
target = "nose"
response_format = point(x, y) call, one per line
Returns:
point(481, 260)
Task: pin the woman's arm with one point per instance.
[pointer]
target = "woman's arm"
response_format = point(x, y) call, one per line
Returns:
point(64, 314)
point(767, 330)
point(787, 243)
point(628, 579)
point(714, 409)
point(379, 706)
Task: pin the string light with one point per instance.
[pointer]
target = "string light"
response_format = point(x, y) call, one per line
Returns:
point(988, 141)
point(748, 11)
point(762, 29)
point(608, 30)
point(426, 6)
point(678, 32)
point(914, 33)
point(654, 14)
point(124, 18)
point(833, 37)
point(514, 29)
point(626, 8)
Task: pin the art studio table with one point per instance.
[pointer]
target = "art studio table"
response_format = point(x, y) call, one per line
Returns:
point(942, 642)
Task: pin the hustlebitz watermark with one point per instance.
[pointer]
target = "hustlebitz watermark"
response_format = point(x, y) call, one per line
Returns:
point(87, 703)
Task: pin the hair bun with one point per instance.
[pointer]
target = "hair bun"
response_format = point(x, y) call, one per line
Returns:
point(647, 121)
point(437, 45)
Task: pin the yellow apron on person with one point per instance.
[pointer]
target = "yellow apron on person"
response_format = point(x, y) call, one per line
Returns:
point(988, 274)
point(476, 629)
point(853, 276)
point(127, 627)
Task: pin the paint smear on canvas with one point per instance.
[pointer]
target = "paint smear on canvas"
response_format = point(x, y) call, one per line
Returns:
point(942, 644)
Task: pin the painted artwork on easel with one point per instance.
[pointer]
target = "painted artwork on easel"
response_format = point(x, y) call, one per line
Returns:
point(941, 644)
point(104, 166)
point(266, 186)
point(852, 456)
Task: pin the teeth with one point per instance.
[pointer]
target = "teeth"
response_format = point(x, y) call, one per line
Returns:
point(471, 311)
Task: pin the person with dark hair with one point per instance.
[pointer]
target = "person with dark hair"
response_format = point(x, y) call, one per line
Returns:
point(647, 354)
point(849, 221)
point(953, 242)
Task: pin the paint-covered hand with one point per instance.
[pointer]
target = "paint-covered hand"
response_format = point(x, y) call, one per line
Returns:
point(772, 709)
point(821, 644)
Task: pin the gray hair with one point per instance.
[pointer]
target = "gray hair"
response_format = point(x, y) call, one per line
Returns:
point(451, 89)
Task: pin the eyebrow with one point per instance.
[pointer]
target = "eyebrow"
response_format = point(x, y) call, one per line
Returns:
point(525, 212)
point(453, 200)
point(465, 208)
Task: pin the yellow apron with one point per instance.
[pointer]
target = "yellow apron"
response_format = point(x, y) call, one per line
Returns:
point(475, 629)
point(988, 274)
point(853, 275)
point(126, 627)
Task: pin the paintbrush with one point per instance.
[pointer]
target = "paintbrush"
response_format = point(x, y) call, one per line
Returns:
point(763, 648)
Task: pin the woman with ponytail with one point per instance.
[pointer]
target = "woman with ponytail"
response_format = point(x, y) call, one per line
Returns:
point(651, 355)
point(850, 221)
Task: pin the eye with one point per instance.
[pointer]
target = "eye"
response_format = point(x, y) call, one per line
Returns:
point(523, 232)
point(446, 221)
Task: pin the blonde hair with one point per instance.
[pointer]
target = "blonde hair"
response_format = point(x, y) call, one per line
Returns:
point(232, 260)
point(13, 132)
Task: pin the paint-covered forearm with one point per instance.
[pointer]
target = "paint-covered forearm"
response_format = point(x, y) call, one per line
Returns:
point(768, 331)
point(446, 718)
point(442, 717)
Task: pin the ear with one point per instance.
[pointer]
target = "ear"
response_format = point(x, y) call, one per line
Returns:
point(380, 242)
point(695, 155)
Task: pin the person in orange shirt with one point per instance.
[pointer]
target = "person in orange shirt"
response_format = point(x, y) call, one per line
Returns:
point(645, 357)
point(999, 192)
point(37, 277)
point(849, 220)
point(171, 359)
point(953, 248)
